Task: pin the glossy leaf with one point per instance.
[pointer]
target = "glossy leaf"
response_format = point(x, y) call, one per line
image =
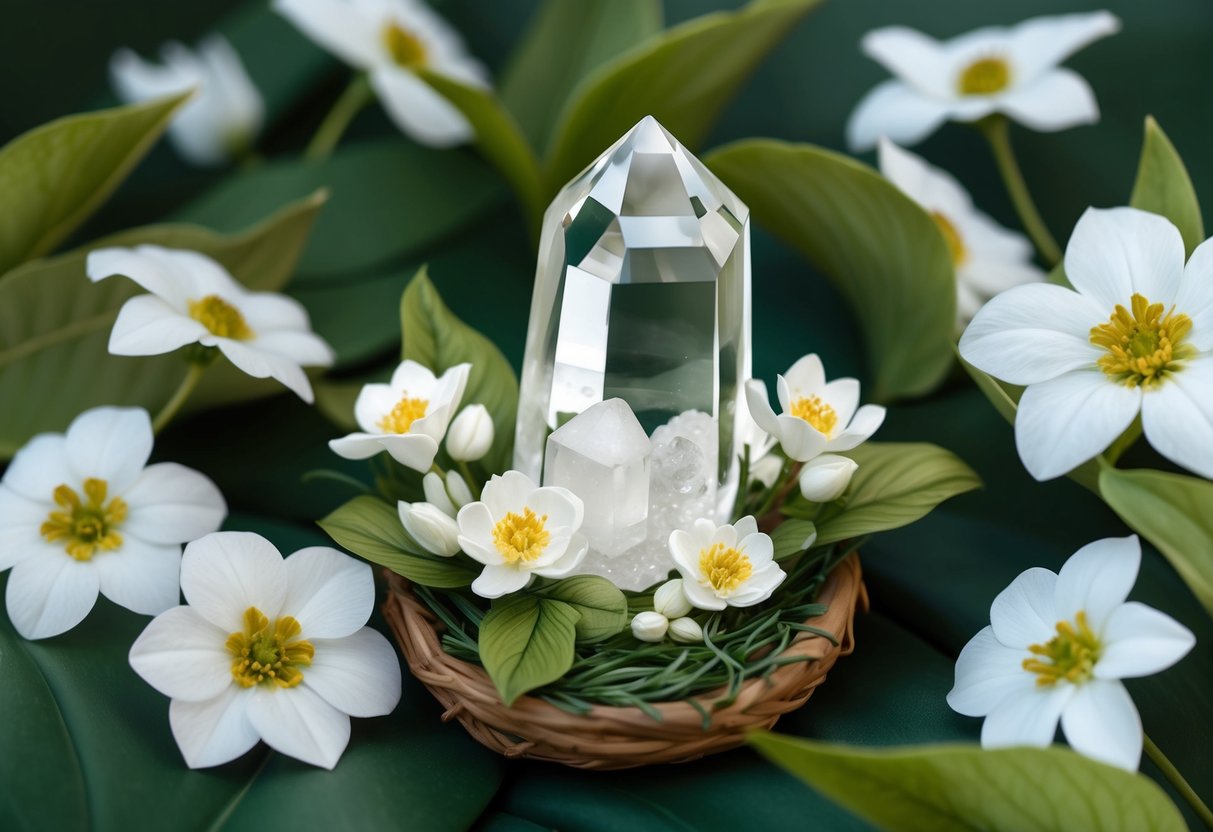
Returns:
point(602, 606)
point(793, 536)
point(526, 642)
point(1163, 187)
point(881, 250)
point(53, 177)
point(951, 788)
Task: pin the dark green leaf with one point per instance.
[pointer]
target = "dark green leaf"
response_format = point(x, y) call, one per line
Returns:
point(526, 642)
point(601, 604)
point(1163, 187)
point(793, 536)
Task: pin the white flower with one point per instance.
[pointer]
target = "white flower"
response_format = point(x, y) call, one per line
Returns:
point(649, 626)
point(471, 434)
point(987, 258)
point(671, 600)
point(81, 514)
point(194, 300)
point(725, 566)
point(1012, 70)
point(1056, 650)
point(1135, 338)
point(430, 526)
point(824, 478)
point(268, 649)
point(817, 417)
point(407, 417)
point(518, 530)
point(391, 40)
point(686, 631)
point(457, 489)
point(221, 121)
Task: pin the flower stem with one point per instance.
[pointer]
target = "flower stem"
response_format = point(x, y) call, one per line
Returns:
point(997, 132)
point(1177, 780)
point(356, 96)
point(192, 376)
point(468, 478)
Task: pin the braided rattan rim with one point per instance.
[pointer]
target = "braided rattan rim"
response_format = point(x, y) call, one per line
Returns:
point(614, 737)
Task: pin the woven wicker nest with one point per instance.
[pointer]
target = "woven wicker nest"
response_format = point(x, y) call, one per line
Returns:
point(613, 737)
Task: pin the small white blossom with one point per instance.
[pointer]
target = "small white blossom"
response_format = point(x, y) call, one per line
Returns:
point(650, 626)
point(430, 526)
point(671, 600)
point(826, 477)
point(725, 566)
point(471, 434)
point(686, 631)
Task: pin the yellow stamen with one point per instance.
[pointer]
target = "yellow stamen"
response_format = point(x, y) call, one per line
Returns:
point(956, 244)
point(985, 76)
point(406, 49)
point(817, 413)
point(403, 415)
point(724, 567)
point(220, 317)
point(85, 526)
point(520, 538)
point(265, 655)
point(1069, 656)
point(1144, 345)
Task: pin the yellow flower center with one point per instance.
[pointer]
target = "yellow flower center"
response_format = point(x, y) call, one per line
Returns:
point(403, 415)
point(85, 526)
point(406, 49)
point(956, 244)
point(1069, 656)
point(816, 412)
point(985, 76)
point(269, 655)
point(520, 538)
point(220, 317)
point(724, 567)
point(1143, 344)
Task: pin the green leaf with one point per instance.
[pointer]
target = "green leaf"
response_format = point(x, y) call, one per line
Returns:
point(882, 251)
point(433, 336)
point(55, 324)
point(793, 536)
point(1163, 187)
point(959, 787)
point(684, 78)
point(53, 177)
point(896, 483)
point(1172, 511)
point(564, 43)
point(371, 528)
point(526, 642)
point(602, 605)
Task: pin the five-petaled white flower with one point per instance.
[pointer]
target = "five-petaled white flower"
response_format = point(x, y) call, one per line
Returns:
point(268, 649)
point(817, 417)
point(80, 514)
point(1136, 338)
point(518, 530)
point(391, 40)
point(407, 417)
point(725, 566)
point(987, 258)
point(1012, 70)
point(221, 121)
point(1056, 649)
point(193, 299)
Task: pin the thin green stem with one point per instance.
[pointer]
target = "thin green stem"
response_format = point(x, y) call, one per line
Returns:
point(468, 478)
point(997, 132)
point(192, 376)
point(776, 489)
point(1177, 780)
point(356, 96)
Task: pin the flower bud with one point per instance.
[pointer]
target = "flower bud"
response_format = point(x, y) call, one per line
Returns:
point(471, 434)
point(686, 631)
point(671, 600)
point(435, 494)
point(650, 626)
point(824, 478)
point(766, 470)
point(457, 488)
point(431, 527)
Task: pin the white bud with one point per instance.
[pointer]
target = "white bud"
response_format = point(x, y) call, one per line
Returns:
point(686, 631)
point(671, 600)
point(766, 470)
point(824, 478)
point(458, 489)
point(435, 494)
point(430, 526)
point(650, 626)
point(471, 434)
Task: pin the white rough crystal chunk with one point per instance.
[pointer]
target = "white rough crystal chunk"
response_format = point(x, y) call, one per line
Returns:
point(602, 456)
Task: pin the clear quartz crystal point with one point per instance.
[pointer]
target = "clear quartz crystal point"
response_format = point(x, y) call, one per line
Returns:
point(642, 293)
point(602, 456)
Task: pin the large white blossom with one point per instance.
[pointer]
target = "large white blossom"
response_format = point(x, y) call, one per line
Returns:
point(83, 512)
point(1010, 70)
point(1134, 337)
point(725, 566)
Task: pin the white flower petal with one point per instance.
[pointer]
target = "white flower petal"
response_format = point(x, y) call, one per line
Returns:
point(358, 675)
point(110, 443)
point(214, 731)
point(574, 552)
point(1029, 718)
point(1140, 641)
point(170, 503)
point(842, 394)
point(49, 595)
point(866, 422)
point(201, 274)
point(700, 596)
point(335, 26)
point(151, 274)
point(1063, 422)
point(1057, 100)
point(806, 377)
point(39, 467)
point(911, 56)
point(507, 492)
point(1042, 43)
point(1177, 418)
point(330, 594)
point(988, 673)
point(759, 406)
point(357, 445)
point(419, 111)
point(307, 349)
point(933, 188)
point(1195, 297)
point(434, 488)
point(21, 522)
point(992, 277)
point(476, 534)
point(412, 450)
point(141, 576)
point(1101, 722)
point(495, 581)
point(800, 440)
point(1097, 579)
point(297, 722)
point(270, 312)
point(261, 364)
point(147, 325)
point(1024, 613)
point(182, 655)
point(898, 111)
point(225, 573)
point(1117, 252)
